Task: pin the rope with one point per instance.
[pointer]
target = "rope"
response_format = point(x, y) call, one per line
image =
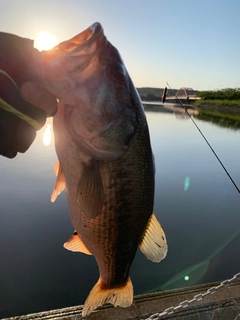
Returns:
point(224, 168)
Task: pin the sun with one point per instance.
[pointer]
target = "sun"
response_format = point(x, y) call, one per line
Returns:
point(45, 41)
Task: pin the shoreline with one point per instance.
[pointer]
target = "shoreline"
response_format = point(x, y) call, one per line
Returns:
point(224, 114)
point(219, 108)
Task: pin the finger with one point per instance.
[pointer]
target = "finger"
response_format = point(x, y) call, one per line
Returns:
point(39, 97)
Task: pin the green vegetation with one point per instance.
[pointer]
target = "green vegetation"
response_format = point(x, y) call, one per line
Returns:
point(221, 107)
point(228, 94)
point(220, 119)
point(150, 94)
point(219, 114)
point(223, 112)
point(224, 94)
point(147, 90)
point(219, 104)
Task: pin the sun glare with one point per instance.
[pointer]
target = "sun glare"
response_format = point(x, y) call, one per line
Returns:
point(47, 136)
point(45, 41)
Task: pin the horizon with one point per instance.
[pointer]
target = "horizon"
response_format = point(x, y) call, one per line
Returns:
point(183, 43)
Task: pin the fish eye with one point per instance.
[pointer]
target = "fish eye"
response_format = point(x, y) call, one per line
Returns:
point(116, 72)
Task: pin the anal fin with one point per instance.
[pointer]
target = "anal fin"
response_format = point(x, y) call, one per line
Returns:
point(76, 244)
point(154, 244)
point(90, 191)
point(100, 294)
point(60, 181)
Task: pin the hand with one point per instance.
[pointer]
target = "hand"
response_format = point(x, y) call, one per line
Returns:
point(16, 135)
point(39, 97)
point(19, 119)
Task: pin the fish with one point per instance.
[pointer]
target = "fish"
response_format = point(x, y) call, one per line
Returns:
point(105, 162)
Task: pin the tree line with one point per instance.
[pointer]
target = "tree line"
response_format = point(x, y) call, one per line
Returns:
point(223, 94)
point(153, 94)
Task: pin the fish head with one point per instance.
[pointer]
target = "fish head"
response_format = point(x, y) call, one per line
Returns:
point(97, 98)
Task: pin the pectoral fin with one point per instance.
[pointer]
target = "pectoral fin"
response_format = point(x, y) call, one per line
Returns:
point(75, 244)
point(56, 167)
point(154, 244)
point(90, 191)
point(60, 181)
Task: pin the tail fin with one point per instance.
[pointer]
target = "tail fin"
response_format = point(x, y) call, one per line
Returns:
point(119, 296)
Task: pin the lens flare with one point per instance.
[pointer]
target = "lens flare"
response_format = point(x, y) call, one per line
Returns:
point(186, 183)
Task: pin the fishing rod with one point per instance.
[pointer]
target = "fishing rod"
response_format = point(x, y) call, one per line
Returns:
point(211, 148)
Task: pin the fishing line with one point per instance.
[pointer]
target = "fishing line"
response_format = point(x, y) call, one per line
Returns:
point(224, 168)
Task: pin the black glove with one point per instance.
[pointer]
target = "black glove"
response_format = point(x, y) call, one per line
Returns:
point(19, 120)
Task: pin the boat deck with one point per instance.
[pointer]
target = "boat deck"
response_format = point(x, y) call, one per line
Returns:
point(224, 305)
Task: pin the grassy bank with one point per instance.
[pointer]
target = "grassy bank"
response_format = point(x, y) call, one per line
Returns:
point(224, 113)
point(220, 103)
point(219, 108)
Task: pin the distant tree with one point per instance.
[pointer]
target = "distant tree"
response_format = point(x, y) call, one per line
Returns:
point(151, 97)
point(224, 94)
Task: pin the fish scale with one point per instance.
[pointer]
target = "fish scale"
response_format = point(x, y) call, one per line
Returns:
point(127, 209)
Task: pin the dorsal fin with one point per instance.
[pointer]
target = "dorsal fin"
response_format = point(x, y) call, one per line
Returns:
point(76, 244)
point(60, 181)
point(90, 191)
point(154, 244)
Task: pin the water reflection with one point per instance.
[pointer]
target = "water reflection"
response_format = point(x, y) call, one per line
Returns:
point(196, 220)
point(180, 112)
point(195, 202)
point(221, 122)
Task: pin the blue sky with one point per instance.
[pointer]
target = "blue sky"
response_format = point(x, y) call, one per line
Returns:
point(185, 42)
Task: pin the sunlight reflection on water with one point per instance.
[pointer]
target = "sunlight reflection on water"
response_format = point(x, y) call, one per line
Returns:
point(47, 136)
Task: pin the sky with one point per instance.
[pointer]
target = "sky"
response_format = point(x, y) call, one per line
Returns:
point(186, 43)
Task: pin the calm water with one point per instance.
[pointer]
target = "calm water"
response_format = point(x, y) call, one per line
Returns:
point(195, 202)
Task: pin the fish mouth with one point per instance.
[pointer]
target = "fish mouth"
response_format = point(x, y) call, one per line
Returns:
point(69, 58)
point(87, 39)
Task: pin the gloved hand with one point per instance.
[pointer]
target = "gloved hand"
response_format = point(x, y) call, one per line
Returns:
point(19, 119)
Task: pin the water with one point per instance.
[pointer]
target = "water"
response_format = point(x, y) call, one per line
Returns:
point(195, 202)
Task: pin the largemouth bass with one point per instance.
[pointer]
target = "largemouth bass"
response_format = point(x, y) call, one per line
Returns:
point(105, 162)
